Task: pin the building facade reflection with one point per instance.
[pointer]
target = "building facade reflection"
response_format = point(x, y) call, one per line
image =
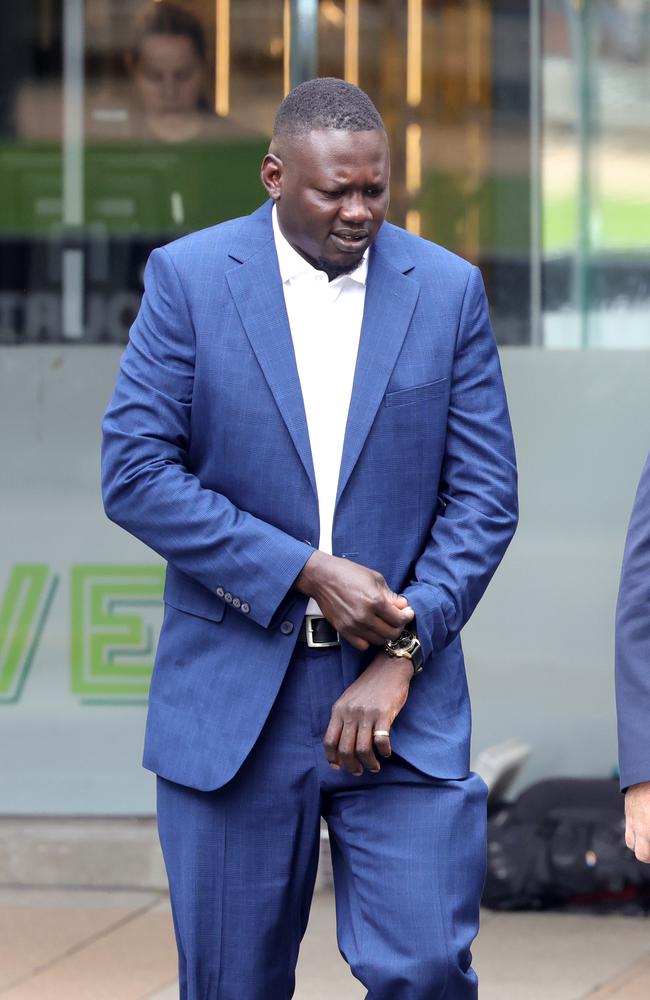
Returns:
point(519, 133)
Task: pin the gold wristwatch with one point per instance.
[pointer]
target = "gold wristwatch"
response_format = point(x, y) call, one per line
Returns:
point(407, 645)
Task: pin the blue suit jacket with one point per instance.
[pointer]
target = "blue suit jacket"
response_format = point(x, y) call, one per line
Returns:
point(207, 460)
point(633, 643)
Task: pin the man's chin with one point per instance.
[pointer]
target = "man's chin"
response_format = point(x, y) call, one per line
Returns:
point(333, 269)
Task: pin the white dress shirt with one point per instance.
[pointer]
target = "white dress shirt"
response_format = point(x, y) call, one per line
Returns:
point(325, 320)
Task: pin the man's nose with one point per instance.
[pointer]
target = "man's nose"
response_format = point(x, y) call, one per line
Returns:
point(355, 209)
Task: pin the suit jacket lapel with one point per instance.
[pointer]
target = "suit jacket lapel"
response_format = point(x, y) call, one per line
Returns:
point(391, 295)
point(390, 300)
point(257, 290)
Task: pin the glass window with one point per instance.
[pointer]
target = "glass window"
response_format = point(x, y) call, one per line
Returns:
point(519, 132)
point(451, 79)
point(125, 124)
point(596, 194)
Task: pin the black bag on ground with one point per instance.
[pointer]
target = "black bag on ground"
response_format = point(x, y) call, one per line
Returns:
point(561, 845)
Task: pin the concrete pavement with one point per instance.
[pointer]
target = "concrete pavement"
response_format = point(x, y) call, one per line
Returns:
point(90, 944)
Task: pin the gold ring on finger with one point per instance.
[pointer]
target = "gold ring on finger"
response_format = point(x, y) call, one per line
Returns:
point(380, 732)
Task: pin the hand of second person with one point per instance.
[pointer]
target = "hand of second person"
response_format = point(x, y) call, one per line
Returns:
point(637, 820)
point(371, 703)
point(356, 600)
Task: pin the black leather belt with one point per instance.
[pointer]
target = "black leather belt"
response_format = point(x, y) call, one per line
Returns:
point(317, 633)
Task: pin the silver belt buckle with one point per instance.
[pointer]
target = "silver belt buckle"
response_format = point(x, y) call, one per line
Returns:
point(311, 642)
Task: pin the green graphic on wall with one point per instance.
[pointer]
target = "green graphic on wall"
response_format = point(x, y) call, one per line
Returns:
point(23, 611)
point(115, 618)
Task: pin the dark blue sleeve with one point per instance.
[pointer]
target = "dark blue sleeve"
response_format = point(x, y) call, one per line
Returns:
point(148, 488)
point(478, 485)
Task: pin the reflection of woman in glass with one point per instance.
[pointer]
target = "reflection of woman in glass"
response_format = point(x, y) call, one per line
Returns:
point(210, 167)
point(167, 64)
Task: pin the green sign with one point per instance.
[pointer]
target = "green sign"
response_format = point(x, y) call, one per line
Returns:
point(23, 612)
point(112, 643)
point(114, 619)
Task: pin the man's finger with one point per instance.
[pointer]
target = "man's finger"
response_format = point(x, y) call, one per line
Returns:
point(381, 739)
point(637, 843)
point(331, 741)
point(370, 634)
point(386, 631)
point(394, 616)
point(347, 748)
point(364, 748)
point(375, 631)
point(642, 849)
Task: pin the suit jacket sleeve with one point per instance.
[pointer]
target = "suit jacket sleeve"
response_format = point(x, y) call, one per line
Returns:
point(147, 485)
point(478, 486)
point(633, 643)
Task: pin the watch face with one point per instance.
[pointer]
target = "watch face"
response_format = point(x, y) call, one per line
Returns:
point(404, 641)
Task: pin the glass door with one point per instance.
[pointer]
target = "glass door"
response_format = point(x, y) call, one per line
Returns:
point(452, 79)
point(595, 192)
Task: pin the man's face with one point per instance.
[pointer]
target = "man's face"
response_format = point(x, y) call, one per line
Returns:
point(331, 189)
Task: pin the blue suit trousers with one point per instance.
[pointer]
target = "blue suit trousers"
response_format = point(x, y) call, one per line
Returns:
point(408, 854)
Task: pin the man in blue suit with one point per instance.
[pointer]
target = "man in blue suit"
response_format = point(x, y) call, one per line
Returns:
point(633, 673)
point(310, 426)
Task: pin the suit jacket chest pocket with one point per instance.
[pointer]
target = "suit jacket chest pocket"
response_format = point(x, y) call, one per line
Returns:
point(417, 393)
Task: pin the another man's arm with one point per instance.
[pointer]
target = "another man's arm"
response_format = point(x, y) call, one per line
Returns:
point(149, 490)
point(633, 673)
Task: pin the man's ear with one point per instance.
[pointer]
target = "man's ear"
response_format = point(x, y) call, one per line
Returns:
point(271, 175)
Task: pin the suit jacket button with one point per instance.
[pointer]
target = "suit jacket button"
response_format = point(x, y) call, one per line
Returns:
point(245, 607)
point(286, 628)
point(219, 591)
point(227, 598)
point(236, 603)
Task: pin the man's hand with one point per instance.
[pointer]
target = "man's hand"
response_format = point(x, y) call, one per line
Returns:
point(637, 820)
point(356, 600)
point(371, 702)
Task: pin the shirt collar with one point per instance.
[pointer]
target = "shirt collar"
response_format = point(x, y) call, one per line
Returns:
point(292, 265)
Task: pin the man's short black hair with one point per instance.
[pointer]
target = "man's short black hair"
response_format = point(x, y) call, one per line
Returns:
point(326, 103)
